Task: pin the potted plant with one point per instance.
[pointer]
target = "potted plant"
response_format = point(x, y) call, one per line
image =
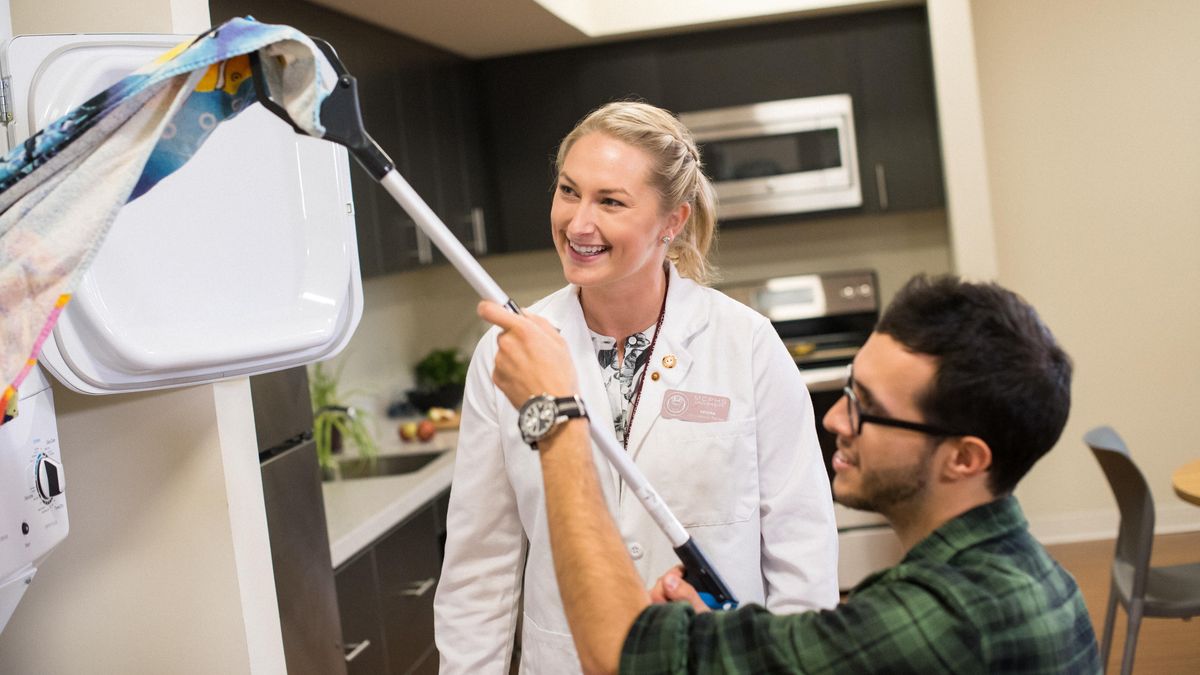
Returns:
point(441, 377)
point(335, 421)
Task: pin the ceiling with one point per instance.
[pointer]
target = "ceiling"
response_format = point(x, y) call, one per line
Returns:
point(486, 28)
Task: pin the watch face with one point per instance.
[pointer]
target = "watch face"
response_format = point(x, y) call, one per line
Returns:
point(537, 416)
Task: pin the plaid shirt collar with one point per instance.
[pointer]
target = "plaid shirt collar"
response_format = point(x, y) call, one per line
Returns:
point(996, 518)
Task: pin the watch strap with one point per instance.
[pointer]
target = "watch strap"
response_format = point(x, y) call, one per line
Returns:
point(566, 408)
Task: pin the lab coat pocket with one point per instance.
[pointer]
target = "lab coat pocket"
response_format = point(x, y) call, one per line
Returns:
point(709, 472)
point(546, 651)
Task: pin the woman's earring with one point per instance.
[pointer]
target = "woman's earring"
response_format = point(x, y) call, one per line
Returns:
point(667, 240)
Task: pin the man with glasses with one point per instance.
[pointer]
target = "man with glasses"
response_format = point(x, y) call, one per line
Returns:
point(955, 395)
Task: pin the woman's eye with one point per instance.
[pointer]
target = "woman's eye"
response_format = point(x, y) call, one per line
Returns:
point(566, 190)
point(609, 201)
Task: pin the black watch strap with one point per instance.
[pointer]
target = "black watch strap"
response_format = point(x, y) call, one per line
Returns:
point(567, 407)
point(570, 407)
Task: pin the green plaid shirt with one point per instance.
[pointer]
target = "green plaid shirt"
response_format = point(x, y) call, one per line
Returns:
point(979, 595)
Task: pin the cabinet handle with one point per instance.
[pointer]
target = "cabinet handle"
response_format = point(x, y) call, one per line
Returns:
point(418, 588)
point(881, 186)
point(424, 248)
point(355, 649)
point(478, 231)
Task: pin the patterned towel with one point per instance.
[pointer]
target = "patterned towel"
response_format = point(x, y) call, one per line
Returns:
point(61, 190)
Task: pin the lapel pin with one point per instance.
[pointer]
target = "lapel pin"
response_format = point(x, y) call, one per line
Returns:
point(669, 361)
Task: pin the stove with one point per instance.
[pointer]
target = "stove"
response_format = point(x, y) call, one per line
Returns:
point(823, 319)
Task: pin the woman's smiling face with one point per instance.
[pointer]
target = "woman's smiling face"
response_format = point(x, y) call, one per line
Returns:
point(607, 218)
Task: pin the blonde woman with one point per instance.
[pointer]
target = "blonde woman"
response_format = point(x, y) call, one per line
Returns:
point(697, 387)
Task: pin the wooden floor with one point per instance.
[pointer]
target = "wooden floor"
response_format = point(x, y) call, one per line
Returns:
point(1164, 646)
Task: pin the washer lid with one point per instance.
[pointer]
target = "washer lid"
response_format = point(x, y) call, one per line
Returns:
point(243, 261)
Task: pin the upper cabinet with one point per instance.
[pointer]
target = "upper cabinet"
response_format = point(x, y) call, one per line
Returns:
point(881, 59)
point(530, 103)
point(896, 113)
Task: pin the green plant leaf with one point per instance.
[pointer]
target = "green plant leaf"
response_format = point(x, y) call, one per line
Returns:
point(332, 412)
point(441, 367)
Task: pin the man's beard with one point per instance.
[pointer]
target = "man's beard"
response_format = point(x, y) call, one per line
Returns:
point(883, 490)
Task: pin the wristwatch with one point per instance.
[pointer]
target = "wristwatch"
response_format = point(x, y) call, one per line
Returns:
point(542, 413)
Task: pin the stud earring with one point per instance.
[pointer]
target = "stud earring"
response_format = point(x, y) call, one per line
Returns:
point(667, 240)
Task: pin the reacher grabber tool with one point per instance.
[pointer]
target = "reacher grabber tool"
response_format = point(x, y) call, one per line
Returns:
point(342, 118)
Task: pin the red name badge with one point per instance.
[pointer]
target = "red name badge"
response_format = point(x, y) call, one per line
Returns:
point(692, 407)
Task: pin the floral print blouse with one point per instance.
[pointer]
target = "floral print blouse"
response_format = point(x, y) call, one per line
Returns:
point(620, 379)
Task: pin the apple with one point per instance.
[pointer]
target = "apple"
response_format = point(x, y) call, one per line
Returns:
point(426, 430)
point(408, 431)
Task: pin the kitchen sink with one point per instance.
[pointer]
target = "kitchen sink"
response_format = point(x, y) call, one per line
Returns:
point(384, 465)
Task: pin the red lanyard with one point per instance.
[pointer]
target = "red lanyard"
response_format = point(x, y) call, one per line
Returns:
point(637, 394)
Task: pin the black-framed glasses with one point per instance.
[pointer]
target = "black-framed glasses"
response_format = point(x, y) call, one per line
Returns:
point(858, 417)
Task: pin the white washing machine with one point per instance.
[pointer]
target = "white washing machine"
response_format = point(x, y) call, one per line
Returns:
point(32, 487)
point(244, 261)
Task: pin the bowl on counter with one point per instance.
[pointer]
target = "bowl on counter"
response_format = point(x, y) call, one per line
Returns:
point(445, 396)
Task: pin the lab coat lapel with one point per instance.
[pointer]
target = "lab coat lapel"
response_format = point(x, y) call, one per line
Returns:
point(566, 314)
point(686, 315)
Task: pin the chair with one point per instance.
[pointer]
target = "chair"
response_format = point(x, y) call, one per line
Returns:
point(1143, 590)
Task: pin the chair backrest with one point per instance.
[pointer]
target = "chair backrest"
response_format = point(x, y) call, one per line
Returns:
point(1136, 537)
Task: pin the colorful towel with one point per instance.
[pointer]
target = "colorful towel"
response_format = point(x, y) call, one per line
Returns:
point(61, 190)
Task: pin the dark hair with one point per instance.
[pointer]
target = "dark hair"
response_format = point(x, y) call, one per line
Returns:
point(1001, 375)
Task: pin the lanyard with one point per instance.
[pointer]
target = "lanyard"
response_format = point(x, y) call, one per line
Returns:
point(637, 393)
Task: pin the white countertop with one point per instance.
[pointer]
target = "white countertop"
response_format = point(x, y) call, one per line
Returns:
point(358, 511)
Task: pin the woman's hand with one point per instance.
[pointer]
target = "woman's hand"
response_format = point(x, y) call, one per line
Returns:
point(531, 358)
point(671, 587)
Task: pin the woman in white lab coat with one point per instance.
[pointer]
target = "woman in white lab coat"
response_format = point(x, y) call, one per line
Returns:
point(718, 418)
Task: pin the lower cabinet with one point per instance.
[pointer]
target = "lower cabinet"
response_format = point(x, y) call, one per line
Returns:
point(385, 597)
point(362, 625)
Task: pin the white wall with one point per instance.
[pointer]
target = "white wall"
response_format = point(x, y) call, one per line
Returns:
point(167, 567)
point(126, 16)
point(1091, 113)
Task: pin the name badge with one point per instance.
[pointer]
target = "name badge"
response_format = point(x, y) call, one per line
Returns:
point(692, 407)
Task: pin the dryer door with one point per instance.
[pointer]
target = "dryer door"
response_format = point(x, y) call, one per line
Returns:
point(244, 261)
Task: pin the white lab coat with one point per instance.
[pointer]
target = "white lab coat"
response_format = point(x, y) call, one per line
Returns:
point(752, 490)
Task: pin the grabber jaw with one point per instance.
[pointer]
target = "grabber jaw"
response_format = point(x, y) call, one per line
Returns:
point(341, 114)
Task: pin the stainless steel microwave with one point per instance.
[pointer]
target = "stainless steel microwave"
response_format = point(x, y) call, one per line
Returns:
point(780, 157)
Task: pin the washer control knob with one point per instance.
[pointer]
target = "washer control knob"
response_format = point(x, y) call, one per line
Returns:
point(49, 479)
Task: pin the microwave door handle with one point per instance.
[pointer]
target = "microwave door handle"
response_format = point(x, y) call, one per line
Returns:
point(881, 185)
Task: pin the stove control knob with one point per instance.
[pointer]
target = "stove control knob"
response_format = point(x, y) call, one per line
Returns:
point(49, 479)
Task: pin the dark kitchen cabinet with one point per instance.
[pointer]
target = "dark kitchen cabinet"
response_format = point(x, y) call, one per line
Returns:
point(385, 595)
point(463, 189)
point(531, 102)
point(759, 63)
point(362, 622)
point(896, 113)
point(417, 103)
point(409, 564)
point(295, 513)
